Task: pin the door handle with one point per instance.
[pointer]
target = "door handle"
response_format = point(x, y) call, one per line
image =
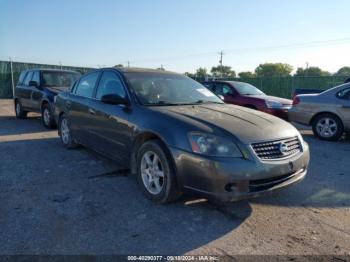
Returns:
point(91, 111)
point(68, 104)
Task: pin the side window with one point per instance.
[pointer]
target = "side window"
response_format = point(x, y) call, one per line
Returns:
point(110, 84)
point(21, 77)
point(344, 94)
point(36, 77)
point(28, 78)
point(226, 90)
point(86, 85)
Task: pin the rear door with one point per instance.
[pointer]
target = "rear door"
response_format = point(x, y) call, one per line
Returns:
point(79, 105)
point(110, 128)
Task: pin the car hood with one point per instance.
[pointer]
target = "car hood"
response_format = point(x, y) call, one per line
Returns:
point(247, 125)
point(281, 100)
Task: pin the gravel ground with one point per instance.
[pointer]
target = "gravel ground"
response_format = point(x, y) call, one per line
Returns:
point(58, 201)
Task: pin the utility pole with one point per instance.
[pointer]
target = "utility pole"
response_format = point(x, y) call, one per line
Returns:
point(220, 62)
point(12, 79)
point(307, 68)
point(128, 63)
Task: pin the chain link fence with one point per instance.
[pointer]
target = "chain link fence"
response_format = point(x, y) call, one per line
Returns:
point(10, 71)
point(284, 86)
point(278, 86)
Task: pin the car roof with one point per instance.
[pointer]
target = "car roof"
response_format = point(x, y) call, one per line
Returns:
point(224, 81)
point(139, 70)
point(51, 70)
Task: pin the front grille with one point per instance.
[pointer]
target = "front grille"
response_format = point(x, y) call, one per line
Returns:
point(277, 149)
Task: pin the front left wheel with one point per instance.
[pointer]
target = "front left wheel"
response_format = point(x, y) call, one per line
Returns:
point(156, 174)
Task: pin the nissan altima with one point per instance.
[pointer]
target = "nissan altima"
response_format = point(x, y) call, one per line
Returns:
point(177, 136)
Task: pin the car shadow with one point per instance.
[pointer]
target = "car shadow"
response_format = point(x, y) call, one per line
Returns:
point(10, 125)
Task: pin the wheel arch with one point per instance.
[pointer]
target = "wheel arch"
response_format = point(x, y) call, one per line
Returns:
point(139, 140)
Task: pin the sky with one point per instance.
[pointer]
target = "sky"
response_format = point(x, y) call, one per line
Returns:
point(181, 35)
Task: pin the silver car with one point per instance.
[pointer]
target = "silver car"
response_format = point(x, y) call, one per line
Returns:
point(328, 113)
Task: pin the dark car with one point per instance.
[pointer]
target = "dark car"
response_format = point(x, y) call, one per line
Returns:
point(247, 95)
point(36, 90)
point(176, 135)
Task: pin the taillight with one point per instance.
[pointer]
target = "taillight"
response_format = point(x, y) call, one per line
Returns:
point(296, 100)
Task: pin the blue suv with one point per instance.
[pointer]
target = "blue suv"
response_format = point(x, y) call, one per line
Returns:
point(36, 90)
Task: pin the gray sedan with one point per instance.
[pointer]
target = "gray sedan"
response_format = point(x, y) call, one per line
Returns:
point(178, 136)
point(328, 113)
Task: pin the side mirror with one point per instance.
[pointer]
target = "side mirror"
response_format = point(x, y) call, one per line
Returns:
point(33, 83)
point(113, 99)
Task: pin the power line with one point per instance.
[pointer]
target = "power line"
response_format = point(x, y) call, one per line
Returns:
point(250, 49)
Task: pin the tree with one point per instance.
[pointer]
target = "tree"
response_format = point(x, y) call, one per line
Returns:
point(273, 70)
point(311, 71)
point(344, 71)
point(189, 75)
point(247, 74)
point(223, 71)
point(119, 65)
point(201, 72)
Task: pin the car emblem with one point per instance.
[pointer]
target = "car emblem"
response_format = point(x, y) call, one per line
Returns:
point(283, 148)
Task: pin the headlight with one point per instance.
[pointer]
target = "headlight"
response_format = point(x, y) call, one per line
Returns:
point(273, 104)
point(211, 145)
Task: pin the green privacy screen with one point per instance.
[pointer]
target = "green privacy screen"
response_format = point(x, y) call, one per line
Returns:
point(5, 74)
point(279, 86)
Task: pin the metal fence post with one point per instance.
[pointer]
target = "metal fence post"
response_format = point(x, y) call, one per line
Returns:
point(12, 80)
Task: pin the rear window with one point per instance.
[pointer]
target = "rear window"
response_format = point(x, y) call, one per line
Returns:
point(59, 80)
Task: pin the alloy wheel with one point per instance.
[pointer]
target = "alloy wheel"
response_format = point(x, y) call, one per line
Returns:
point(326, 127)
point(65, 131)
point(152, 172)
point(46, 115)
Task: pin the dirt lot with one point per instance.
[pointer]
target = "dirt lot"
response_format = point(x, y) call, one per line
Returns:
point(58, 201)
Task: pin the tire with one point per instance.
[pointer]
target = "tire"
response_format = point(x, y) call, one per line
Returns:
point(47, 117)
point(159, 162)
point(65, 134)
point(327, 127)
point(20, 113)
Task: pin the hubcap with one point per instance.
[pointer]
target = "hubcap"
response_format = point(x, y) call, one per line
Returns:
point(46, 114)
point(152, 172)
point(326, 127)
point(64, 131)
point(18, 108)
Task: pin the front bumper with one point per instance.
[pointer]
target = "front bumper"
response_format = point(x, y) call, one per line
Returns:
point(232, 179)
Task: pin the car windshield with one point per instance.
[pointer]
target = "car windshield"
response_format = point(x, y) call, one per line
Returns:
point(169, 89)
point(247, 89)
point(60, 80)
